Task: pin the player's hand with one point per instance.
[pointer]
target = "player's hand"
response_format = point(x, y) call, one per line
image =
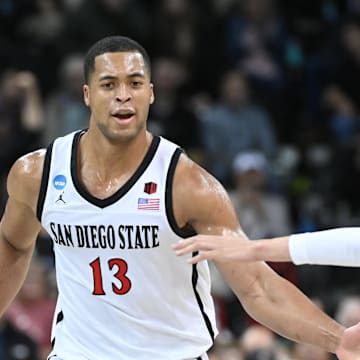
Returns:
point(218, 248)
point(350, 345)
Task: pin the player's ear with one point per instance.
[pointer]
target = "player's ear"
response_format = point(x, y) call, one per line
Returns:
point(86, 95)
point(152, 94)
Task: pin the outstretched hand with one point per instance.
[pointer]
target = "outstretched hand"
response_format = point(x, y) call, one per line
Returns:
point(218, 248)
point(350, 345)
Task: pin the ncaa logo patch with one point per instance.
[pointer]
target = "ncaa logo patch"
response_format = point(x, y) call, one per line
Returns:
point(59, 182)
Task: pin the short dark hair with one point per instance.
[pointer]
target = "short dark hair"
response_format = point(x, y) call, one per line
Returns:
point(112, 44)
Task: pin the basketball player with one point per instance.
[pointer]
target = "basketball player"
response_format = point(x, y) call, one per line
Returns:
point(339, 247)
point(114, 198)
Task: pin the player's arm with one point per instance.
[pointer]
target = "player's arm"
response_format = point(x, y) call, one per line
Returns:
point(234, 248)
point(340, 247)
point(201, 202)
point(19, 226)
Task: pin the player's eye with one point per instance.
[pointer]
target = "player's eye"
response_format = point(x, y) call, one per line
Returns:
point(107, 85)
point(136, 83)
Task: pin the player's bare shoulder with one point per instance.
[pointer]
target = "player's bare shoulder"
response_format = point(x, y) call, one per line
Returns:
point(191, 178)
point(24, 179)
point(196, 193)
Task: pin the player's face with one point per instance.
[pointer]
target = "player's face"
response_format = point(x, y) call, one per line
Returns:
point(119, 94)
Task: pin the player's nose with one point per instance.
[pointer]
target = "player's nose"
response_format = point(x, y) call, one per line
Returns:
point(123, 94)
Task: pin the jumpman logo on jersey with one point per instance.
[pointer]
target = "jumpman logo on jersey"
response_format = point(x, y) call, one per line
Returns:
point(61, 198)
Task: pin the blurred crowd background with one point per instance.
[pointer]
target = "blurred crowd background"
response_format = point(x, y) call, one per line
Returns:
point(262, 93)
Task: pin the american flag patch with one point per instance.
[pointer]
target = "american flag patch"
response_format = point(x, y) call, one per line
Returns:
point(148, 204)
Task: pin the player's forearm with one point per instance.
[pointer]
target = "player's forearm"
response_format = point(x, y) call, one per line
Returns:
point(13, 268)
point(284, 309)
point(276, 249)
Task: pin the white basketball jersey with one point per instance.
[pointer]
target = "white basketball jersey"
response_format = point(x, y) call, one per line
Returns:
point(123, 293)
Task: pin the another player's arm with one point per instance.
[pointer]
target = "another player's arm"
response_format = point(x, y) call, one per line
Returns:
point(200, 201)
point(340, 247)
point(234, 248)
point(19, 226)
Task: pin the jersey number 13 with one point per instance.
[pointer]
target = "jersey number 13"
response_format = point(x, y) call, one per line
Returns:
point(122, 268)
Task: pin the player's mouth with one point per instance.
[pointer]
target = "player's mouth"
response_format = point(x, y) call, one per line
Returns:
point(123, 116)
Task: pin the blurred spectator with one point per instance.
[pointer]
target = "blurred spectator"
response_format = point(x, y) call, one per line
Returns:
point(256, 42)
point(309, 352)
point(234, 124)
point(262, 213)
point(343, 120)
point(16, 345)
point(22, 117)
point(32, 310)
point(348, 311)
point(345, 72)
point(312, 189)
point(229, 351)
point(341, 97)
point(258, 342)
point(171, 115)
point(312, 207)
point(37, 34)
point(175, 27)
point(341, 116)
point(65, 107)
point(44, 23)
point(314, 28)
point(21, 113)
point(181, 29)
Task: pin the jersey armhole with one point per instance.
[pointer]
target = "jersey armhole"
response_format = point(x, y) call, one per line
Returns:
point(44, 182)
point(182, 232)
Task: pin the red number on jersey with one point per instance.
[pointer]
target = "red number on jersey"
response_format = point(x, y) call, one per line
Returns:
point(122, 268)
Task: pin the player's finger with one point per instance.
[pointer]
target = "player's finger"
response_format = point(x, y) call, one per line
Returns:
point(186, 250)
point(199, 257)
point(194, 247)
point(181, 244)
point(190, 245)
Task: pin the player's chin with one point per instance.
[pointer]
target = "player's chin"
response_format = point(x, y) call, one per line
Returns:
point(122, 134)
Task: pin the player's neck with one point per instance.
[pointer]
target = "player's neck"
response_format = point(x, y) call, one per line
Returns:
point(107, 156)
